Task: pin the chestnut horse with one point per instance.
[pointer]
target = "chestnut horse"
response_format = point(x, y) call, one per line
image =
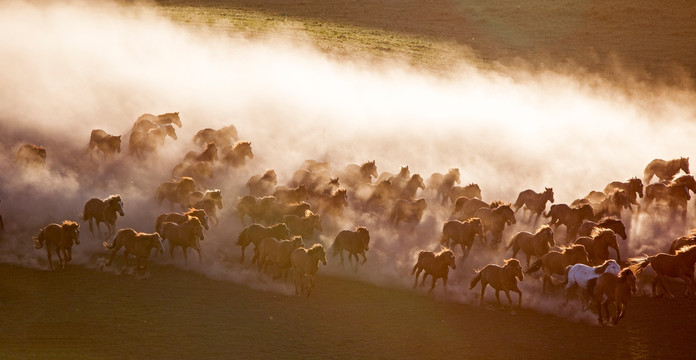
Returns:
point(264, 184)
point(180, 218)
point(102, 141)
point(254, 233)
point(442, 184)
point(536, 244)
point(673, 195)
point(305, 264)
point(470, 191)
point(176, 191)
point(500, 278)
point(163, 119)
point(633, 187)
point(665, 170)
point(61, 237)
point(222, 137)
point(581, 275)
point(410, 211)
point(597, 245)
point(277, 252)
point(494, 220)
point(235, 155)
point(571, 217)
point(608, 222)
point(435, 265)
point(461, 233)
point(138, 244)
point(210, 202)
point(615, 289)
point(354, 242)
point(534, 202)
point(680, 265)
point(303, 226)
point(255, 207)
point(555, 262)
point(186, 235)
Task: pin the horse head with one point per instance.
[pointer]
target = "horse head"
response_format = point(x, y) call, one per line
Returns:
point(579, 254)
point(515, 268)
point(174, 117)
point(417, 179)
point(72, 230)
point(636, 185)
point(169, 131)
point(548, 235)
point(404, 172)
point(548, 192)
point(364, 236)
point(478, 227)
point(506, 212)
point(612, 267)
point(626, 275)
point(684, 164)
point(448, 256)
point(116, 204)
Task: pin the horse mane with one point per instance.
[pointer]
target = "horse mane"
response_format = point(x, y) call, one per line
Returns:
point(269, 174)
point(542, 228)
point(512, 261)
point(315, 248)
point(685, 249)
point(600, 231)
point(571, 248)
point(113, 197)
point(444, 251)
point(470, 220)
point(624, 273)
point(607, 220)
point(67, 223)
point(498, 203)
point(239, 144)
point(601, 268)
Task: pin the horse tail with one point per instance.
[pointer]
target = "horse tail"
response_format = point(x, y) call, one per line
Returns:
point(39, 239)
point(640, 263)
point(475, 280)
point(566, 271)
point(336, 246)
point(415, 267)
point(512, 243)
point(118, 242)
point(241, 239)
point(536, 265)
point(518, 203)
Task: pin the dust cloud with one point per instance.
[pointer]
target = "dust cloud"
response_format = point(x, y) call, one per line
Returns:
point(70, 67)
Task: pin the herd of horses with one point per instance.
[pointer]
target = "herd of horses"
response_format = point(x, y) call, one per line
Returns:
point(288, 220)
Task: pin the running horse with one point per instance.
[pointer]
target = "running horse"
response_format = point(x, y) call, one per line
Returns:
point(222, 137)
point(665, 170)
point(106, 143)
point(534, 202)
point(500, 278)
point(61, 237)
point(235, 155)
point(494, 220)
point(305, 264)
point(462, 233)
point(435, 265)
point(354, 242)
point(442, 184)
point(103, 211)
point(679, 265)
point(673, 195)
point(597, 245)
point(582, 276)
point(571, 217)
point(536, 244)
point(187, 235)
point(555, 262)
point(135, 243)
point(633, 187)
point(608, 222)
point(615, 289)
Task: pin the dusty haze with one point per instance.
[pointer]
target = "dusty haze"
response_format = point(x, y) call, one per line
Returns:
point(71, 67)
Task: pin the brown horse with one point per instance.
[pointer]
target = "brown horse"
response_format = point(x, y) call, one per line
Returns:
point(354, 242)
point(176, 191)
point(254, 233)
point(305, 264)
point(410, 188)
point(665, 170)
point(31, 155)
point(597, 245)
point(279, 210)
point(672, 195)
point(277, 252)
point(681, 242)
point(209, 154)
point(235, 155)
point(256, 208)
point(555, 262)
point(146, 136)
point(613, 204)
point(461, 233)
point(106, 143)
point(534, 202)
point(680, 265)
point(223, 136)
point(289, 195)
point(494, 220)
point(466, 207)
point(138, 244)
point(354, 175)
point(571, 217)
point(470, 191)
point(442, 184)
point(410, 211)
point(303, 226)
point(333, 205)
point(633, 187)
point(435, 265)
point(615, 289)
point(608, 222)
point(61, 237)
point(163, 119)
point(186, 235)
point(536, 244)
point(180, 218)
point(103, 211)
point(500, 278)
point(262, 185)
point(210, 202)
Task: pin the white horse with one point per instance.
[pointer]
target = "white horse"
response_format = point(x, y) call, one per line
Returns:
point(581, 275)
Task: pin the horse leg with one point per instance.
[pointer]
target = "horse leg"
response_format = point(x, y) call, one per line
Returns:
point(687, 280)
point(200, 258)
point(507, 294)
point(171, 250)
point(294, 276)
point(342, 257)
point(363, 255)
point(497, 297)
point(519, 298)
point(444, 282)
point(415, 284)
point(243, 247)
point(483, 290)
point(48, 251)
point(664, 287)
point(184, 248)
point(599, 312)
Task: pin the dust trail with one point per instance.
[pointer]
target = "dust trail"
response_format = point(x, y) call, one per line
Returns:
point(77, 66)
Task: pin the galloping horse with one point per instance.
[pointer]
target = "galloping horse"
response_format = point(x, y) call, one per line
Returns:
point(333, 205)
point(555, 262)
point(163, 119)
point(608, 222)
point(147, 135)
point(534, 202)
point(103, 211)
point(303, 226)
point(571, 217)
point(176, 191)
point(354, 176)
point(211, 201)
point(466, 207)
point(254, 233)
point(536, 244)
point(138, 244)
point(31, 155)
point(289, 195)
point(305, 264)
point(222, 137)
point(461, 233)
point(442, 184)
point(580, 275)
point(500, 278)
point(186, 235)
point(680, 265)
point(673, 195)
point(435, 265)
point(61, 237)
point(597, 245)
point(180, 218)
point(665, 170)
point(106, 143)
point(209, 154)
point(262, 185)
point(277, 252)
point(410, 211)
point(409, 190)
point(616, 289)
point(235, 155)
point(681, 242)
point(255, 207)
point(495, 219)
point(633, 187)
point(354, 242)
point(470, 191)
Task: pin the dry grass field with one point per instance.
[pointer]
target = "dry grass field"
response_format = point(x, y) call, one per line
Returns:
point(188, 312)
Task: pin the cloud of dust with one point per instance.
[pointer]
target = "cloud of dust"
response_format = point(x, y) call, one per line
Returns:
point(75, 66)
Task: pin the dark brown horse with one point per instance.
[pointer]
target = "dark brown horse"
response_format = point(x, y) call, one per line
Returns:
point(354, 242)
point(442, 184)
point(277, 252)
point(534, 202)
point(494, 220)
point(435, 265)
point(615, 289)
point(210, 202)
point(555, 262)
point(633, 187)
point(106, 143)
point(209, 154)
point(235, 155)
point(61, 237)
point(290, 195)
point(354, 176)
point(608, 222)
point(672, 195)
point(256, 208)
point(571, 217)
point(465, 207)
point(470, 191)
point(187, 235)
point(176, 191)
point(264, 184)
point(303, 225)
point(665, 170)
point(179, 218)
point(500, 278)
point(103, 211)
point(254, 233)
point(222, 137)
point(410, 211)
point(536, 244)
point(681, 242)
point(680, 265)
